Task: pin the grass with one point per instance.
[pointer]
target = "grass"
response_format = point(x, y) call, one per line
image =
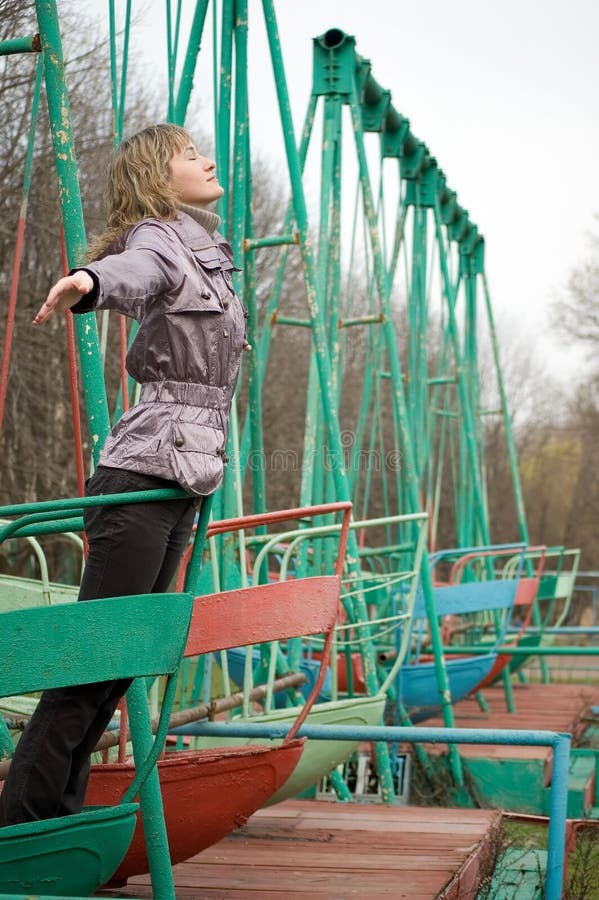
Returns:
point(583, 871)
point(583, 868)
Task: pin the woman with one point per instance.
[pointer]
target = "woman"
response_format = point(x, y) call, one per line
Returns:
point(162, 262)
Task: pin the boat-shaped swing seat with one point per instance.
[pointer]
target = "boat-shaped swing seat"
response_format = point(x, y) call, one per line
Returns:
point(22, 592)
point(557, 585)
point(71, 853)
point(309, 667)
point(319, 757)
point(17, 592)
point(419, 691)
point(206, 794)
point(481, 603)
point(522, 611)
point(555, 591)
point(360, 709)
point(209, 792)
point(374, 589)
point(73, 644)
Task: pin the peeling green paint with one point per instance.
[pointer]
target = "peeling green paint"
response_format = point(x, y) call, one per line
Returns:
point(72, 213)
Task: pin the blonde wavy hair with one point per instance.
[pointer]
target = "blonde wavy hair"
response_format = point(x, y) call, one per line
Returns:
point(139, 182)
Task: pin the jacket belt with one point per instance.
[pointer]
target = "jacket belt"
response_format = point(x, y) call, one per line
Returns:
point(206, 395)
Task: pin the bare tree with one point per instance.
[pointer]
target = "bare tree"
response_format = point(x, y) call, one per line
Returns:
point(576, 313)
point(37, 458)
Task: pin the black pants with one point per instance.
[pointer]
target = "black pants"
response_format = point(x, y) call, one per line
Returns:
point(133, 549)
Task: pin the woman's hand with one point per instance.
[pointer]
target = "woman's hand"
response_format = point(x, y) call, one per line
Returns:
point(65, 293)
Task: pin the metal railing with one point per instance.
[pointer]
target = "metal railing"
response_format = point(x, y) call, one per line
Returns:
point(559, 743)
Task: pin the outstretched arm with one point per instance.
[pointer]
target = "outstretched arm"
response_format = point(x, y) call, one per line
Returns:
point(150, 265)
point(65, 294)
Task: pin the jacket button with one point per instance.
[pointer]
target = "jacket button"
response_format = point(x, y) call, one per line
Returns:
point(179, 441)
point(225, 303)
point(225, 333)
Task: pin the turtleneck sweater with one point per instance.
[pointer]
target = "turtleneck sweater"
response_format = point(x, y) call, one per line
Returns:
point(204, 217)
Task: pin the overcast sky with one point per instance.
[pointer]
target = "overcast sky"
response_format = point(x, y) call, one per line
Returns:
point(503, 93)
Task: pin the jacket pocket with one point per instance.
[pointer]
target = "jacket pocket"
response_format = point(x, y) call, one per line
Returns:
point(215, 256)
point(205, 301)
point(196, 437)
point(198, 455)
point(208, 256)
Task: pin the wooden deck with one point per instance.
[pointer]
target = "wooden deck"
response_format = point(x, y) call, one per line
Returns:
point(331, 850)
point(310, 848)
point(539, 707)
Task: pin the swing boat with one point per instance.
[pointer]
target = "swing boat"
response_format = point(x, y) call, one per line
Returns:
point(476, 604)
point(75, 854)
point(322, 757)
point(209, 791)
point(555, 588)
point(524, 606)
point(472, 604)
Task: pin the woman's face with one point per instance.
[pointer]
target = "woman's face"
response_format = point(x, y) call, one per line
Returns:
point(193, 178)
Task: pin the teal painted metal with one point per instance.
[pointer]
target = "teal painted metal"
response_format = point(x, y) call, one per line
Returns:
point(31, 136)
point(510, 444)
point(172, 46)
point(21, 630)
point(337, 73)
point(72, 217)
point(80, 852)
point(118, 96)
point(241, 198)
point(552, 650)
point(465, 404)
point(76, 504)
point(29, 44)
point(152, 811)
point(119, 92)
point(189, 64)
point(275, 240)
point(261, 343)
point(195, 563)
point(323, 364)
point(425, 189)
point(563, 629)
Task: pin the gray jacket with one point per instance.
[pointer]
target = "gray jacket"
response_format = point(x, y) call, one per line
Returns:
point(175, 279)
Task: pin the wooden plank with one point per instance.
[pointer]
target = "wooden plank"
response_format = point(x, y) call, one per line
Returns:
point(305, 882)
point(421, 833)
point(369, 812)
point(339, 861)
